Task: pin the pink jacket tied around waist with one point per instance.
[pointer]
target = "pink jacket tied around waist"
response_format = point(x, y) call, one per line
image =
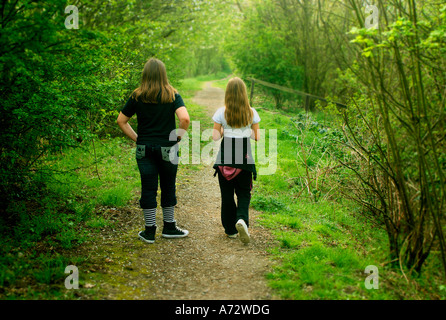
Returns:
point(229, 172)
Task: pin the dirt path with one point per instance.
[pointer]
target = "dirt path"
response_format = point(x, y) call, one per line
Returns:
point(205, 265)
point(210, 97)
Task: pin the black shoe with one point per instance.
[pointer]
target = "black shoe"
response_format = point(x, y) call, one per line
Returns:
point(170, 230)
point(148, 235)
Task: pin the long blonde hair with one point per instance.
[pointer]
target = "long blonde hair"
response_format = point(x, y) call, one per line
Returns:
point(238, 113)
point(154, 82)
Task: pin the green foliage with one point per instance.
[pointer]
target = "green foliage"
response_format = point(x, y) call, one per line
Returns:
point(265, 56)
point(61, 86)
point(61, 90)
point(258, 50)
point(282, 42)
point(324, 245)
point(56, 89)
point(398, 160)
point(79, 201)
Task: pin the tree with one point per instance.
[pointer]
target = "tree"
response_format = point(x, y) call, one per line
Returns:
point(259, 51)
point(395, 127)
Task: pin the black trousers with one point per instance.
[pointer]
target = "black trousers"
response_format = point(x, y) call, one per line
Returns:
point(151, 166)
point(241, 185)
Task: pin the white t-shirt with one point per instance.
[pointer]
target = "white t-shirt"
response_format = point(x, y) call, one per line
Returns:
point(245, 132)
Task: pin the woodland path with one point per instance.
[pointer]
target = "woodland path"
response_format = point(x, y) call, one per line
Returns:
point(206, 265)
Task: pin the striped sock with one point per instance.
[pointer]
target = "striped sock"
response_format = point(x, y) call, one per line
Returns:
point(168, 214)
point(150, 217)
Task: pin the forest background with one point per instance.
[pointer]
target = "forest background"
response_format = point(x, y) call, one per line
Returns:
point(383, 156)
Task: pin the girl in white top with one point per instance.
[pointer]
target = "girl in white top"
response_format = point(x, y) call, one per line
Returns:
point(236, 121)
point(230, 132)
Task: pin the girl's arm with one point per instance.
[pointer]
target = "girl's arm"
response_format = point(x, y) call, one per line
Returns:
point(217, 133)
point(183, 117)
point(255, 133)
point(126, 127)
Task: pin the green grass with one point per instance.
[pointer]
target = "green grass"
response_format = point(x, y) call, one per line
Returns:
point(324, 241)
point(36, 248)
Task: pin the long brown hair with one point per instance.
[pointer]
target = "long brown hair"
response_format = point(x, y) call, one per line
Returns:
point(154, 82)
point(238, 113)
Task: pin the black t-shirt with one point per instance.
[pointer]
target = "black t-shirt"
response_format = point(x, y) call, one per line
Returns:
point(155, 121)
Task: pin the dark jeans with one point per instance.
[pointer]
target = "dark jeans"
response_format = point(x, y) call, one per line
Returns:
point(230, 212)
point(151, 165)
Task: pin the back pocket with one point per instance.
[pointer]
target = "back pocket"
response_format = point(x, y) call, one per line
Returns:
point(140, 151)
point(170, 154)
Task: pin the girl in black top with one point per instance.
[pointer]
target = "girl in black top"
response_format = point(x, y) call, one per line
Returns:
point(155, 103)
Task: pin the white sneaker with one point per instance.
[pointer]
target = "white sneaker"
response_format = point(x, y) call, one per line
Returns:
point(232, 236)
point(242, 229)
